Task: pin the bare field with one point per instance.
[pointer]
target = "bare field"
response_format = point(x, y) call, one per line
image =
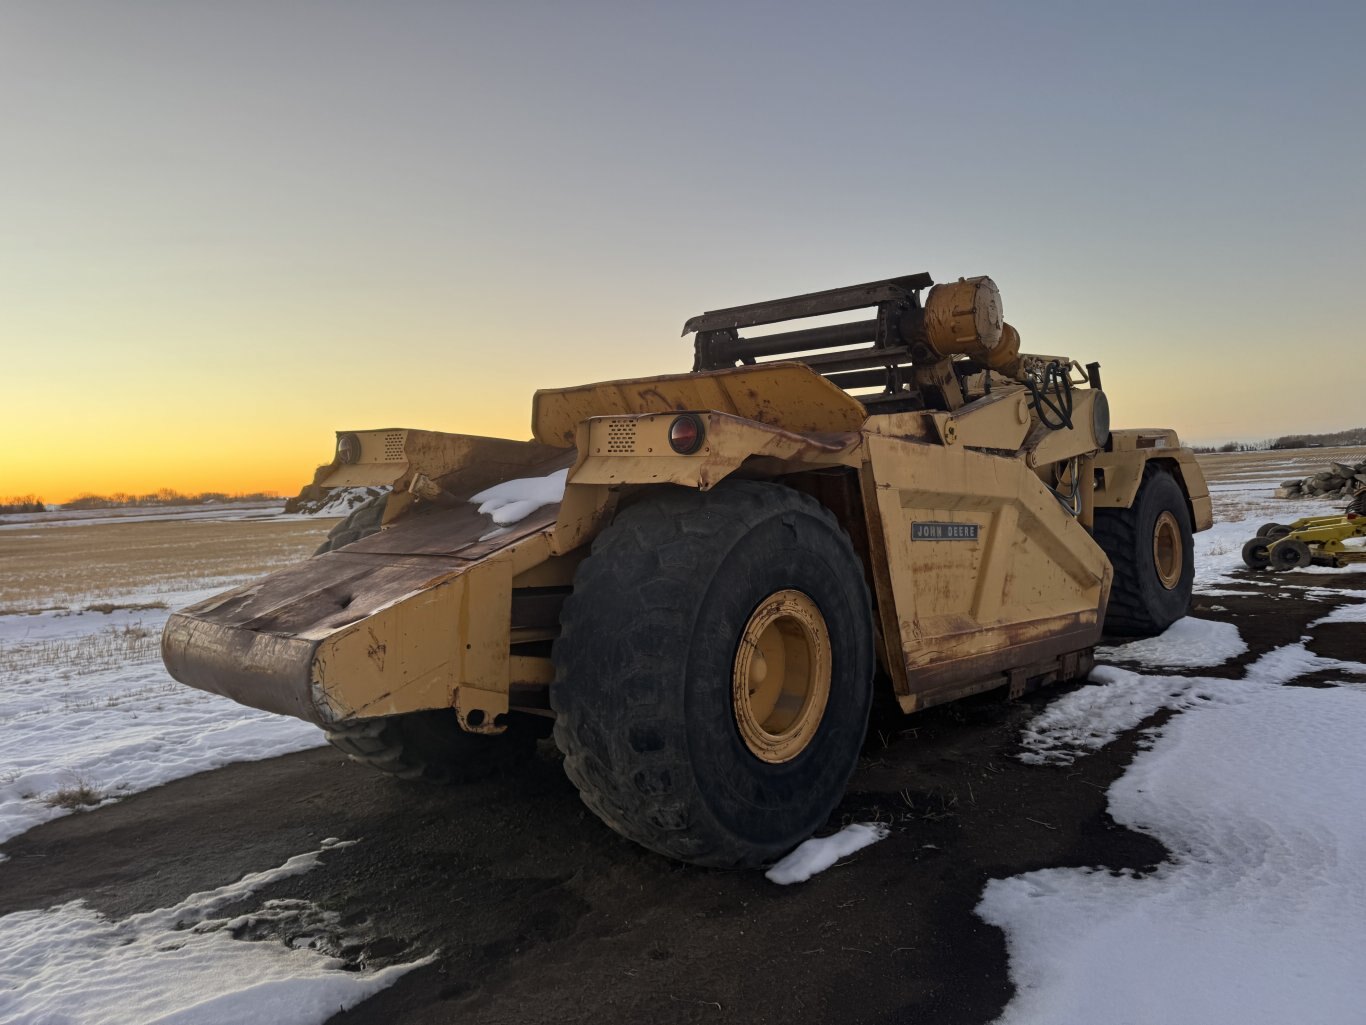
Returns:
point(74, 565)
point(505, 900)
point(61, 566)
point(1239, 467)
point(1245, 481)
point(67, 565)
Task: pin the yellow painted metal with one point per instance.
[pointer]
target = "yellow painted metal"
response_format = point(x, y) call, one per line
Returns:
point(1324, 535)
point(526, 669)
point(446, 644)
point(998, 421)
point(780, 684)
point(422, 464)
point(1005, 357)
point(1006, 582)
point(1017, 579)
point(386, 456)
point(964, 316)
point(1168, 554)
point(1046, 446)
point(1119, 471)
point(787, 395)
point(635, 449)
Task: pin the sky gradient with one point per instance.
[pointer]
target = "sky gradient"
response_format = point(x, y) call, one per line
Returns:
point(227, 230)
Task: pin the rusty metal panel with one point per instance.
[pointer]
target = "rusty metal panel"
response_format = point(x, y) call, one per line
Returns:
point(394, 456)
point(1019, 573)
point(635, 450)
point(787, 395)
point(256, 643)
point(264, 671)
point(416, 652)
point(1046, 446)
point(369, 629)
point(830, 300)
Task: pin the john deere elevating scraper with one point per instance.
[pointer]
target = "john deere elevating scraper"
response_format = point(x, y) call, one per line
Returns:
point(738, 556)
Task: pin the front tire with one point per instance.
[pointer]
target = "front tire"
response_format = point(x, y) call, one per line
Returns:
point(714, 672)
point(1152, 552)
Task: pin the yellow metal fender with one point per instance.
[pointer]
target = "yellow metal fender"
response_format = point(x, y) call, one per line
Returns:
point(617, 450)
point(1119, 471)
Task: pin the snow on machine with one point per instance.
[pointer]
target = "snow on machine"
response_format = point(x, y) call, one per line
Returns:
point(697, 580)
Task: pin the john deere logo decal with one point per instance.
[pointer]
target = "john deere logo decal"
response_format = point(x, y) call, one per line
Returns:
point(944, 531)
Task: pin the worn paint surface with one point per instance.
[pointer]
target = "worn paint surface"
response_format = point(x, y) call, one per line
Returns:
point(421, 615)
point(787, 395)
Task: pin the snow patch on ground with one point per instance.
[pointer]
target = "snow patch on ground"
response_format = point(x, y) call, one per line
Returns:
point(1188, 642)
point(819, 853)
point(1353, 613)
point(1115, 702)
point(515, 500)
point(1284, 664)
point(1261, 915)
point(87, 704)
point(180, 964)
point(1118, 700)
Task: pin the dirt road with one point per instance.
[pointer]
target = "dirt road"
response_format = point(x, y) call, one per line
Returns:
point(540, 914)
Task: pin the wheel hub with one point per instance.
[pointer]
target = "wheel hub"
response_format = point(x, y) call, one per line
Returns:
point(1167, 550)
point(781, 679)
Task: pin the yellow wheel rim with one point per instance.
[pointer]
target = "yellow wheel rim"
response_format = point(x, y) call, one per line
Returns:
point(781, 680)
point(1167, 552)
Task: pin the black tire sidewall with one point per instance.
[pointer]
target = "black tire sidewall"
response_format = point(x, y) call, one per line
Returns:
point(778, 803)
point(1251, 558)
point(644, 666)
point(1162, 494)
point(1281, 559)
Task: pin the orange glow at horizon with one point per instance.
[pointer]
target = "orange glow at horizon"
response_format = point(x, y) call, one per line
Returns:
point(232, 230)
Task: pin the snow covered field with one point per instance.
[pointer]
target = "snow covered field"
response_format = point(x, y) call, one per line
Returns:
point(1257, 788)
point(88, 715)
point(188, 964)
point(1251, 783)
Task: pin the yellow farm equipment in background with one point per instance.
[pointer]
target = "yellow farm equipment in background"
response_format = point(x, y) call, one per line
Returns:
point(1315, 540)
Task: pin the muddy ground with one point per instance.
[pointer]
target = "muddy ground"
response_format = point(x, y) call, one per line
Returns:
point(540, 914)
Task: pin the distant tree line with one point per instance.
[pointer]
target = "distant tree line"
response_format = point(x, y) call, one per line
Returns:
point(22, 504)
point(1354, 436)
point(162, 497)
point(1338, 439)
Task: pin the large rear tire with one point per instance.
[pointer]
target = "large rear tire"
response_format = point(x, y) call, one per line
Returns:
point(714, 672)
point(430, 746)
point(1152, 552)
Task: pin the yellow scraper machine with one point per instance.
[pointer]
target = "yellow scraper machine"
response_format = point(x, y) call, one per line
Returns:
point(706, 574)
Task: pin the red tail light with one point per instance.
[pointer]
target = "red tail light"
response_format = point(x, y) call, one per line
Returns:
point(686, 434)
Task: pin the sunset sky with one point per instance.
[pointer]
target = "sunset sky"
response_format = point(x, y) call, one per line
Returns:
point(228, 229)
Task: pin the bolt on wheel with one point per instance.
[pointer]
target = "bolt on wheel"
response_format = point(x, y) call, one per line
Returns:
point(1168, 551)
point(1290, 554)
point(781, 680)
point(1256, 553)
